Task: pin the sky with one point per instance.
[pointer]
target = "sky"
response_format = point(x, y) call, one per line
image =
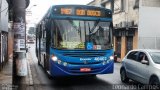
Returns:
point(39, 7)
point(58, 2)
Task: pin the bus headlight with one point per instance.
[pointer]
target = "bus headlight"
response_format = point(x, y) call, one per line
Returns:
point(59, 61)
point(65, 63)
point(108, 60)
point(111, 57)
point(54, 58)
point(104, 63)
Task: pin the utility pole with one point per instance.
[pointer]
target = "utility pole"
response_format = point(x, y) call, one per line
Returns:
point(19, 32)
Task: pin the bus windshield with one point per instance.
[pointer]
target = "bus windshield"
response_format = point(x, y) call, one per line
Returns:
point(78, 34)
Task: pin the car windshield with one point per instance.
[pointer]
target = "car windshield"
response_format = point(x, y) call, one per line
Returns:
point(79, 34)
point(155, 57)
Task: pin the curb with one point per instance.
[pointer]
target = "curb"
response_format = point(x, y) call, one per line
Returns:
point(29, 72)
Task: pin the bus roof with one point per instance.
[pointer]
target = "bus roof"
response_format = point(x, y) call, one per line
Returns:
point(50, 13)
point(83, 6)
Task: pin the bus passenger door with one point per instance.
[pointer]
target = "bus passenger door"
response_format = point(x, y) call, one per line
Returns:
point(38, 43)
point(48, 44)
point(43, 46)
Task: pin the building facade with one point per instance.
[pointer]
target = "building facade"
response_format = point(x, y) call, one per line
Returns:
point(3, 32)
point(132, 21)
point(125, 22)
point(149, 24)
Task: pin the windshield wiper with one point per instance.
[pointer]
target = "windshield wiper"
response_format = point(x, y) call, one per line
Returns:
point(79, 31)
point(95, 25)
point(89, 27)
point(71, 22)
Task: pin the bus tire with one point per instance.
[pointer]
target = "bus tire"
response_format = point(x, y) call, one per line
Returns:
point(94, 75)
point(50, 77)
point(39, 59)
point(39, 63)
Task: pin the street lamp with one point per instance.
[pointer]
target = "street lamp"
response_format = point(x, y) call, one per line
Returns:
point(31, 7)
point(29, 12)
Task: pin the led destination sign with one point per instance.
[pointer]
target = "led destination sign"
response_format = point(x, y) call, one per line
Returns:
point(70, 11)
point(81, 12)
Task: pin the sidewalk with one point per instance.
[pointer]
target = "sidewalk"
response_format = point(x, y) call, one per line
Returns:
point(26, 82)
point(6, 74)
point(22, 83)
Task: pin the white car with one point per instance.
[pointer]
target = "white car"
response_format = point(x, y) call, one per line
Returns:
point(142, 65)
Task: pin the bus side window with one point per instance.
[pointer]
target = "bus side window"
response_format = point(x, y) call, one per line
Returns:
point(58, 37)
point(53, 34)
point(40, 35)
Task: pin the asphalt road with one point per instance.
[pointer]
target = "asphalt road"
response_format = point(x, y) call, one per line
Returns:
point(100, 82)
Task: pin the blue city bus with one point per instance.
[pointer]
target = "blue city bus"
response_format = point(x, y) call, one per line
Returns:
point(73, 40)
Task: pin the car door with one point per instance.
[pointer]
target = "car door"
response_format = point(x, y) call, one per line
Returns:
point(130, 64)
point(142, 70)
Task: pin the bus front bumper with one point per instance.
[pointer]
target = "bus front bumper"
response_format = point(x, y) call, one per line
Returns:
point(57, 70)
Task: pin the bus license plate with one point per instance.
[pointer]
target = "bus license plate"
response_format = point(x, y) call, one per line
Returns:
point(85, 69)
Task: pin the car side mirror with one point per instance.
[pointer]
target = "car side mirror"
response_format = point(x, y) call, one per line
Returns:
point(145, 62)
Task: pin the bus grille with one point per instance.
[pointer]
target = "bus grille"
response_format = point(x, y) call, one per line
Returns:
point(84, 53)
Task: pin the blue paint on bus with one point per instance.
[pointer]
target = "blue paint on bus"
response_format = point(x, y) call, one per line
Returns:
point(68, 44)
point(75, 63)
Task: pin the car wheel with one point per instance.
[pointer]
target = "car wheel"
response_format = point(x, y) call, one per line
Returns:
point(154, 81)
point(124, 77)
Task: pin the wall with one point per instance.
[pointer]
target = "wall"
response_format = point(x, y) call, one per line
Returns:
point(4, 16)
point(149, 28)
point(150, 3)
point(95, 3)
point(125, 18)
point(125, 14)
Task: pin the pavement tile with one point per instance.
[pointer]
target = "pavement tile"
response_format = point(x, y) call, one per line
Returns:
point(6, 73)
